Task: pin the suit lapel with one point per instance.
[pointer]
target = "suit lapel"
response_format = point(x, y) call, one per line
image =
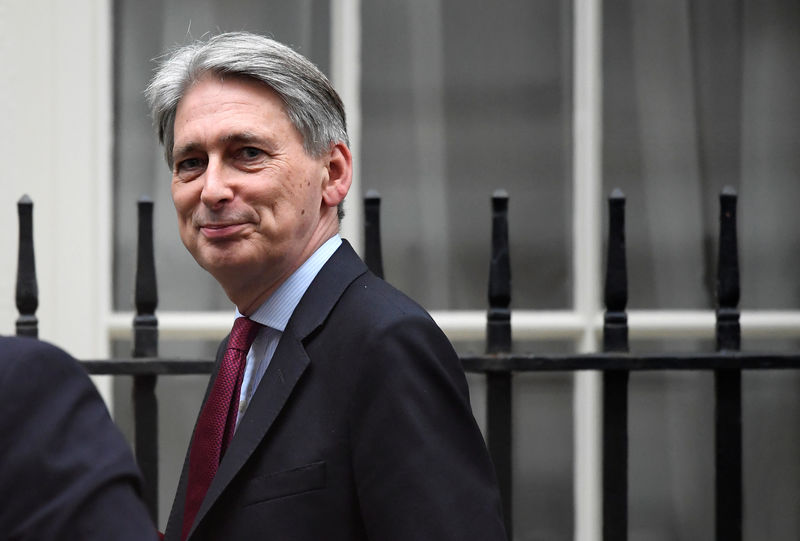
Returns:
point(287, 366)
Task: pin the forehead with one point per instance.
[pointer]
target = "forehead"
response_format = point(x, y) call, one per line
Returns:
point(215, 105)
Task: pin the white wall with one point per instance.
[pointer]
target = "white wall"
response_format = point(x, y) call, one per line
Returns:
point(55, 144)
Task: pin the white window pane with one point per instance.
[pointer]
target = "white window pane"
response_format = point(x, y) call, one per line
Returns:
point(699, 95)
point(459, 99)
point(696, 98)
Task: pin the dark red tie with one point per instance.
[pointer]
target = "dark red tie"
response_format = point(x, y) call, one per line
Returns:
point(217, 420)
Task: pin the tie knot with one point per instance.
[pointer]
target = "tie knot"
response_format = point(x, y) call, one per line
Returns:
point(243, 333)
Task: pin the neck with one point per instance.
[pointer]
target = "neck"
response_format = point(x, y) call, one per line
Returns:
point(249, 295)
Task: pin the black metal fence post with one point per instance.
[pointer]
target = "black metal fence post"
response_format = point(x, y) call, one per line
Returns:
point(145, 344)
point(27, 290)
point(498, 363)
point(728, 382)
point(373, 255)
point(498, 340)
point(615, 382)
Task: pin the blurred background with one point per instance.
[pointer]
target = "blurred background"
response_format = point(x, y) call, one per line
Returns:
point(556, 102)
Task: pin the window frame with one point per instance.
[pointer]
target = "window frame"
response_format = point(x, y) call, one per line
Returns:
point(582, 324)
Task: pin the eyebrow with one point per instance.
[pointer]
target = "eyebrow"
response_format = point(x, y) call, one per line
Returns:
point(242, 137)
point(188, 148)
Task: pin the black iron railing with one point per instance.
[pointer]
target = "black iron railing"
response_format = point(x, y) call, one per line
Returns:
point(499, 364)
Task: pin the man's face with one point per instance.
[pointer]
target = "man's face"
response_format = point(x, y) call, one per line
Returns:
point(248, 196)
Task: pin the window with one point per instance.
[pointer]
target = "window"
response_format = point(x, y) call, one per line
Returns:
point(557, 103)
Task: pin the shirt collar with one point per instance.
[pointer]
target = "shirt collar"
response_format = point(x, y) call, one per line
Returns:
point(278, 308)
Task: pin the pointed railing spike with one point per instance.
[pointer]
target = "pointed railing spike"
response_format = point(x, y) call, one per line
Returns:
point(145, 344)
point(728, 382)
point(615, 335)
point(373, 254)
point(27, 290)
point(498, 340)
point(499, 329)
point(728, 329)
point(615, 382)
point(146, 294)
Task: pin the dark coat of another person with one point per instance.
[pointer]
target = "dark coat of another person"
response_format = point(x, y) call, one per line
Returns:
point(66, 472)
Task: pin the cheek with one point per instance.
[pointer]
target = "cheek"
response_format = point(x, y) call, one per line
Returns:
point(183, 200)
point(308, 189)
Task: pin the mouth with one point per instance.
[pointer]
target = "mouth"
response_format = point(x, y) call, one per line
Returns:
point(221, 231)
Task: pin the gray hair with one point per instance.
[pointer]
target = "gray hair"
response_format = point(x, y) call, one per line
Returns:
point(311, 103)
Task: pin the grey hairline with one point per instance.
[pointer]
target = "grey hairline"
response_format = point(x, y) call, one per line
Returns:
point(305, 87)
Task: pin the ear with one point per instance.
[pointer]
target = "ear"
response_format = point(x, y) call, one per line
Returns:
point(339, 166)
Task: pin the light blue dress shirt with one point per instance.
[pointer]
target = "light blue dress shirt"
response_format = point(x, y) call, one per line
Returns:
point(274, 314)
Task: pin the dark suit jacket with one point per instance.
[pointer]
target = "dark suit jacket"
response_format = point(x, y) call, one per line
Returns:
point(360, 429)
point(65, 470)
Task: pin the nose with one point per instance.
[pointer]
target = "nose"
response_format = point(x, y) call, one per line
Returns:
point(217, 188)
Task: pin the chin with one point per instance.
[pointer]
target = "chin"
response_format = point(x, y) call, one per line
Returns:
point(220, 266)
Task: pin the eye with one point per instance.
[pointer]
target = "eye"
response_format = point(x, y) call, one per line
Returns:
point(189, 164)
point(188, 169)
point(250, 153)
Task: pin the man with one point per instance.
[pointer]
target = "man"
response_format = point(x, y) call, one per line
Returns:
point(351, 411)
point(66, 472)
